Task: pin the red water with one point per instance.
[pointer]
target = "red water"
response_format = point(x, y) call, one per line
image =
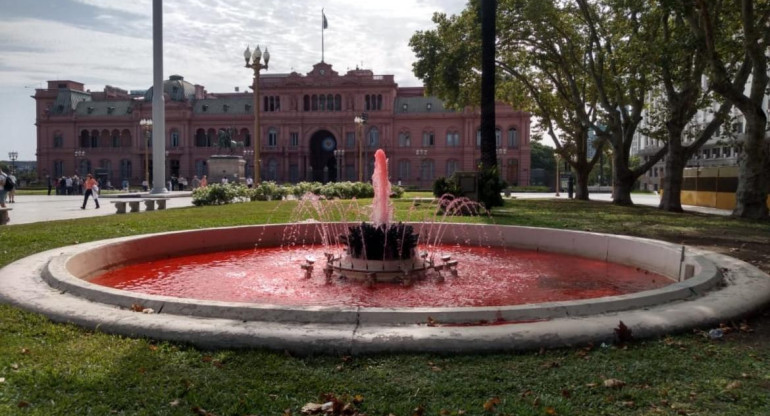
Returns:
point(487, 277)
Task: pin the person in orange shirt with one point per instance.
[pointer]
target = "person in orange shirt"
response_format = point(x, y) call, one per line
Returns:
point(204, 181)
point(91, 187)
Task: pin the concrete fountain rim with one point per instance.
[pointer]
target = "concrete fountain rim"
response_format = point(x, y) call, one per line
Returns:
point(717, 288)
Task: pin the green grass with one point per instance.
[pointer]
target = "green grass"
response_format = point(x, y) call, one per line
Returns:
point(58, 369)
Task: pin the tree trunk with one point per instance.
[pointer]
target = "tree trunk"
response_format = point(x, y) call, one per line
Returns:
point(672, 182)
point(581, 190)
point(751, 196)
point(623, 181)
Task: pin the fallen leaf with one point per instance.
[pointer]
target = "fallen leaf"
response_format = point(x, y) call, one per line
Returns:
point(174, 403)
point(460, 412)
point(22, 404)
point(551, 364)
point(418, 411)
point(436, 368)
point(14, 366)
point(358, 399)
point(311, 409)
point(217, 363)
point(431, 321)
point(614, 383)
point(627, 403)
point(137, 307)
point(489, 405)
point(734, 385)
point(444, 412)
point(206, 358)
point(623, 334)
point(25, 350)
point(152, 347)
point(550, 410)
point(2, 379)
point(591, 385)
point(566, 393)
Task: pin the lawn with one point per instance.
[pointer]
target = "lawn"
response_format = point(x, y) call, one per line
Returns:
point(56, 369)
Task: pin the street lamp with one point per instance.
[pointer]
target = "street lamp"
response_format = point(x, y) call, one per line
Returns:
point(79, 153)
point(360, 122)
point(13, 156)
point(247, 154)
point(257, 66)
point(146, 124)
point(340, 155)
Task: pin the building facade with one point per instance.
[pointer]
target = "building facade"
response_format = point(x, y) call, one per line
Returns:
point(306, 124)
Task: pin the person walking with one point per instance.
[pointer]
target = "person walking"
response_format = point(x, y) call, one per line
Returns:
point(90, 185)
point(13, 185)
point(3, 190)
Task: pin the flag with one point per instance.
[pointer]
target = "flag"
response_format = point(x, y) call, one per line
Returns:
point(325, 24)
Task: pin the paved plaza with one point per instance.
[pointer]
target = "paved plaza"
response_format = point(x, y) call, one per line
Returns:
point(36, 208)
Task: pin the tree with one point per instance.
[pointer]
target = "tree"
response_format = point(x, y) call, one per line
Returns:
point(681, 64)
point(490, 184)
point(713, 22)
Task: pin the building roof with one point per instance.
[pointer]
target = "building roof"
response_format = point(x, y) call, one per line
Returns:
point(175, 88)
point(103, 108)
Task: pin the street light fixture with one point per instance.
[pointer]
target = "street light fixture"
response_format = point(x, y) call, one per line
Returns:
point(13, 156)
point(340, 155)
point(247, 154)
point(257, 66)
point(146, 124)
point(360, 121)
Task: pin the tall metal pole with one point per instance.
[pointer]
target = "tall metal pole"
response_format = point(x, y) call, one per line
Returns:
point(158, 102)
point(257, 134)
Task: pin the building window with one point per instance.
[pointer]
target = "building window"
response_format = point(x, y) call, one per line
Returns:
point(428, 139)
point(94, 139)
point(737, 127)
point(211, 138)
point(58, 169)
point(174, 138)
point(452, 166)
point(115, 138)
point(727, 152)
point(271, 103)
point(374, 138)
point(404, 169)
point(452, 139)
point(306, 102)
point(294, 139)
point(58, 140)
point(314, 102)
point(337, 102)
point(350, 140)
point(125, 169)
point(272, 137)
point(84, 167)
point(200, 138)
point(373, 102)
point(427, 170)
point(404, 140)
point(272, 170)
point(201, 168)
point(498, 138)
point(513, 137)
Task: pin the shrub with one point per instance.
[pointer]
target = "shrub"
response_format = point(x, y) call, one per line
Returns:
point(218, 194)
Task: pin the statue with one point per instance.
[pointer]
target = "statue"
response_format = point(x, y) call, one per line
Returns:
point(226, 141)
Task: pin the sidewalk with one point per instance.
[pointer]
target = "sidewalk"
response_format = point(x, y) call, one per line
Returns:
point(37, 208)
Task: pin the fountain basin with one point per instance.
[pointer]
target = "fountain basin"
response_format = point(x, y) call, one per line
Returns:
point(705, 288)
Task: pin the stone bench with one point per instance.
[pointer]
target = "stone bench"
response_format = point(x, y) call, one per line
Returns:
point(4, 218)
point(121, 205)
point(160, 202)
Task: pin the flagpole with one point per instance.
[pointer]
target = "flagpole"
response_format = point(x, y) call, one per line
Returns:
point(322, 35)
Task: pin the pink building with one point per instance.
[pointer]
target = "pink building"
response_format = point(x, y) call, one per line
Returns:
point(306, 125)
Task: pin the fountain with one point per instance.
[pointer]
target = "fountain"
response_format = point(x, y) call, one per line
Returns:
point(381, 251)
point(381, 299)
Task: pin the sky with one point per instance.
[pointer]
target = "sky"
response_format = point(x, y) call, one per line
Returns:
point(109, 42)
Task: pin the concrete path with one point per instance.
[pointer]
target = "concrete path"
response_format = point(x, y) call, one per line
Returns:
point(37, 208)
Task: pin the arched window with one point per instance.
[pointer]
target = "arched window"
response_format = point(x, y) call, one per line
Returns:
point(272, 137)
point(246, 136)
point(452, 139)
point(315, 102)
point(94, 138)
point(115, 138)
point(125, 138)
point(200, 138)
point(104, 139)
point(367, 103)
point(85, 140)
point(337, 102)
point(404, 140)
point(306, 102)
point(211, 138)
point(322, 103)
point(498, 137)
point(329, 102)
point(513, 137)
point(379, 102)
point(428, 139)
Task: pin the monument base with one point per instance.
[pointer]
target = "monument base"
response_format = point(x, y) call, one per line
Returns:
point(231, 167)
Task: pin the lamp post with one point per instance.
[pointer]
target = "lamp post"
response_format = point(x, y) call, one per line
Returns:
point(257, 66)
point(340, 155)
point(13, 155)
point(247, 154)
point(360, 121)
point(146, 124)
point(558, 179)
point(422, 153)
point(79, 153)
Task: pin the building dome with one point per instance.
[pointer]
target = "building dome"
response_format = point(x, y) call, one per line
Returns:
point(176, 88)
